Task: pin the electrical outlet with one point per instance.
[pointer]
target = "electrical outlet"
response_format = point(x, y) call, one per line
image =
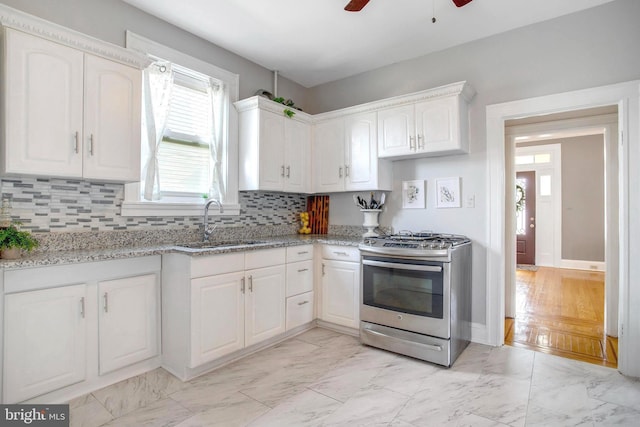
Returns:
point(470, 202)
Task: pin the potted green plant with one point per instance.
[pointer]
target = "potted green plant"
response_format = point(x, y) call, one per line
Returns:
point(13, 241)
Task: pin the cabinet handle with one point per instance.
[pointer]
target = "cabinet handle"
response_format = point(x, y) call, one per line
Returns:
point(420, 144)
point(106, 302)
point(346, 170)
point(303, 303)
point(250, 283)
point(242, 285)
point(91, 145)
point(288, 171)
point(340, 172)
point(303, 270)
point(341, 253)
point(323, 269)
point(303, 252)
point(282, 171)
point(412, 143)
point(76, 143)
point(82, 307)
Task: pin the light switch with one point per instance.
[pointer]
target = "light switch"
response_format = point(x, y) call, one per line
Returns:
point(470, 202)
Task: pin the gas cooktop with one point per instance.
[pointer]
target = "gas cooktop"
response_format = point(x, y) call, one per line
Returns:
point(422, 244)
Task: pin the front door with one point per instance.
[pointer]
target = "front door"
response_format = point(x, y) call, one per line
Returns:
point(525, 217)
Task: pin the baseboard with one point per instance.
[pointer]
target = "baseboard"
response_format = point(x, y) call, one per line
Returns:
point(575, 264)
point(479, 334)
point(338, 328)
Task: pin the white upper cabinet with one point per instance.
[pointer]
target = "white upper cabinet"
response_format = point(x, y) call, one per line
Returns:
point(274, 149)
point(345, 155)
point(68, 113)
point(429, 123)
point(111, 144)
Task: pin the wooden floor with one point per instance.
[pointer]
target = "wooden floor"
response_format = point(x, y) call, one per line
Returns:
point(561, 312)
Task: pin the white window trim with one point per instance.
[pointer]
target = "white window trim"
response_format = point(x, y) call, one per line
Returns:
point(132, 205)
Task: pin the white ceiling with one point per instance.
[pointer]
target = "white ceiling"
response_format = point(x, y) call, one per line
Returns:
point(316, 41)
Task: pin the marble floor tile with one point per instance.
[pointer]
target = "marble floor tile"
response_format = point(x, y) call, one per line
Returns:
point(374, 406)
point(87, 412)
point(164, 412)
point(307, 409)
point(232, 411)
point(324, 378)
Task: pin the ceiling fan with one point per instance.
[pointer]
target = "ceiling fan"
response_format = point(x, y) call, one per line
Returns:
point(357, 5)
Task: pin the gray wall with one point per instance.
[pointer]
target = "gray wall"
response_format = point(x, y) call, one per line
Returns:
point(583, 198)
point(108, 20)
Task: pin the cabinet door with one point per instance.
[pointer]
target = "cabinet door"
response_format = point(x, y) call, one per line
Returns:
point(328, 155)
point(272, 137)
point(341, 293)
point(43, 112)
point(361, 148)
point(264, 304)
point(111, 120)
point(128, 321)
point(437, 125)
point(297, 156)
point(44, 341)
point(217, 317)
point(396, 131)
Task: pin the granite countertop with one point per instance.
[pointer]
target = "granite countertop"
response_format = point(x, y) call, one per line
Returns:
point(88, 255)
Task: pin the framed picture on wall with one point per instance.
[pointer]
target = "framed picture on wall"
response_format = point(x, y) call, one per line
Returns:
point(448, 192)
point(413, 194)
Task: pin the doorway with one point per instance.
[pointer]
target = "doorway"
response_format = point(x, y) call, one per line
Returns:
point(501, 249)
point(548, 309)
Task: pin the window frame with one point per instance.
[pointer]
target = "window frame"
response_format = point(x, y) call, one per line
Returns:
point(133, 204)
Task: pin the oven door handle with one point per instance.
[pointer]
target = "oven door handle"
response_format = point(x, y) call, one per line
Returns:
point(400, 266)
point(431, 347)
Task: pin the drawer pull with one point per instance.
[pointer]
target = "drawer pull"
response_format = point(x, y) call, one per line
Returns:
point(303, 303)
point(303, 252)
point(341, 253)
point(303, 270)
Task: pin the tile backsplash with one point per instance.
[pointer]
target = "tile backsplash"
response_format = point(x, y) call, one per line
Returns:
point(68, 205)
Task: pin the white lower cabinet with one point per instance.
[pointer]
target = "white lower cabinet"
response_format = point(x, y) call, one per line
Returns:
point(45, 341)
point(127, 321)
point(216, 305)
point(60, 333)
point(300, 295)
point(341, 286)
point(217, 317)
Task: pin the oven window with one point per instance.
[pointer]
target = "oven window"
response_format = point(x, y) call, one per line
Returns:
point(403, 290)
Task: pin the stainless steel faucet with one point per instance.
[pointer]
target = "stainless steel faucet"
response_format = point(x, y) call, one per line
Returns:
point(207, 231)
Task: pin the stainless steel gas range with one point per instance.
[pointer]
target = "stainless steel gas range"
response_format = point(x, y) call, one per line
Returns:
point(416, 295)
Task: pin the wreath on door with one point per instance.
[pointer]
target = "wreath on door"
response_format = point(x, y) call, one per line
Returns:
point(519, 197)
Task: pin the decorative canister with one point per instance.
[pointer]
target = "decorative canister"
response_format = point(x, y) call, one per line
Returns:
point(370, 221)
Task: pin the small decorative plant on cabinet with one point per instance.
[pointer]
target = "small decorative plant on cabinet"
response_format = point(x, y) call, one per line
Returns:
point(14, 241)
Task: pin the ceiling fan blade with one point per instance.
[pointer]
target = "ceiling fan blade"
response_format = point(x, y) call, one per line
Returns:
point(461, 3)
point(356, 5)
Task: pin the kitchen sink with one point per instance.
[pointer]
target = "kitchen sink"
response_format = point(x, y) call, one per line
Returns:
point(220, 244)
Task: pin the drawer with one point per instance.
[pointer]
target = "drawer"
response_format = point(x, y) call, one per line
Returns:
point(299, 277)
point(299, 253)
point(264, 258)
point(341, 253)
point(217, 264)
point(299, 310)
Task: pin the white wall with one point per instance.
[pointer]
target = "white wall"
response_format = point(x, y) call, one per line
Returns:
point(591, 48)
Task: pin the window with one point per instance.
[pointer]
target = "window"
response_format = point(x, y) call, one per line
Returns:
point(184, 160)
point(194, 146)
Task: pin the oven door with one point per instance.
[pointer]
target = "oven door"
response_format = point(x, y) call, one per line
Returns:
point(406, 294)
